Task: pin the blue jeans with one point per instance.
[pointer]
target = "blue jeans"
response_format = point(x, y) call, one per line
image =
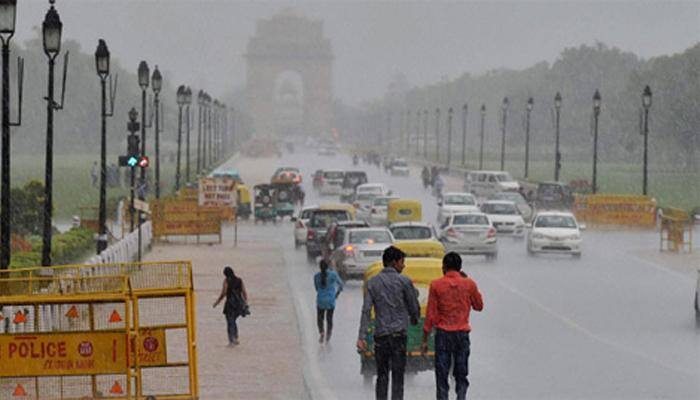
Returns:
point(451, 348)
point(232, 328)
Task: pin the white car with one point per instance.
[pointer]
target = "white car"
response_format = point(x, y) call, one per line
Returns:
point(332, 181)
point(399, 167)
point(412, 231)
point(358, 249)
point(455, 202)
point(555, 232)
point(377, 189)
point(519, 200)
point(470, 233)
point(300, 228)
point(486, 183)
point(378, 210)
point(504, 216)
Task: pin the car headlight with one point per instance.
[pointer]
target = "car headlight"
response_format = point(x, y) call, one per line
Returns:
point(538, 236)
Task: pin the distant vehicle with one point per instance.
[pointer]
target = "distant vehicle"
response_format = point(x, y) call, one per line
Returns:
point(486, 183)
point(300, 222)
point(553, 196)
point(504, 216)
point(412, 231)
point(377, 189)
point(555, 232)
point(332, 181)
point(358, 249)
point(470, 233)
point(286, 175)
point(351, 180)
point(326, 151)
point(378, 210)
point(455, 202)
point(319, 221)
point(336, 232)
point(399, 167)
point(363, 204)
point(518, 199)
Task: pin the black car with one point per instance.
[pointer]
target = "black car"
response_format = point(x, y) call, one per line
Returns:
point(320, 221)
point(351, 180)
point(553, 196)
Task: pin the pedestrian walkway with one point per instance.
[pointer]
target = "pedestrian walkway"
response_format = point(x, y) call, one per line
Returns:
point(266, 365)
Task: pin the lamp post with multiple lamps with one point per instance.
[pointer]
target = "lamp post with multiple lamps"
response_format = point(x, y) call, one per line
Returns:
point(530, 103)
point(51, 30)
point(102, 57)
point(200, 106)
point(157, 85)
point(504, 111)
point(188, 101)
point(646, 103)
point(8, 18)
point(181, 101)
point(596, 113)
point(557, 154)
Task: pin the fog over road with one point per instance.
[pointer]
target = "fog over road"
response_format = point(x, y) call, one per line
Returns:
point(616, 324)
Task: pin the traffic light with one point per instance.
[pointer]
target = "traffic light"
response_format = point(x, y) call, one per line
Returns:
point(133, 145)
point(143, 162)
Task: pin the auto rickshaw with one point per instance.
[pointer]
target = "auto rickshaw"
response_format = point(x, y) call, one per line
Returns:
point(243, 204)
point(284, 199)
point(401, 210)
point(423, 265)
point(265, 203)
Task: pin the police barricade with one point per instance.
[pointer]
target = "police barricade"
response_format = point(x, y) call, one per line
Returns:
point(676, 230)
point(615, 210)
point(156, 314)
point(184, 218)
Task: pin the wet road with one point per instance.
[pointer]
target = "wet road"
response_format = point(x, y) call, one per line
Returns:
point(615, 324)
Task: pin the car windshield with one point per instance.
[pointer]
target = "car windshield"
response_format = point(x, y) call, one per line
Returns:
point(323, 219)
point(411, 232)
point(470, 219)
point(365, 196)
point(333, 174)
point(504, 178)
point(499, 208)
point(370, 237)
point(460, 200)
point(512, 196)
point(555, 221)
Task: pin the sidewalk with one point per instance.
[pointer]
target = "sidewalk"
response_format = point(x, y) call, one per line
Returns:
point(265, 366)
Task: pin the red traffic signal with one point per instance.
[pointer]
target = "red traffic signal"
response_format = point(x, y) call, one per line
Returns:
point(143, 162)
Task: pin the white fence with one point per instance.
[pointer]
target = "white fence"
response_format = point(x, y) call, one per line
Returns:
point(126, 250)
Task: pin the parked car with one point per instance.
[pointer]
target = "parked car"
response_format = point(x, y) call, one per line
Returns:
point(336, 232)
point(378, 210)
point(332, 181)
point(486, 183)
point(555, 232)
point(360, 248)
point(470, 233)
point(351, 181)
point(553, 196)
point(520, 202)
point(412, 231)
point(504, 216)
point(399, 167)
point(319, 221)
point(300, 222)
point(455, 202)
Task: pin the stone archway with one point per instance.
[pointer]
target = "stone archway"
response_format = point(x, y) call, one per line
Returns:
point(288, 42)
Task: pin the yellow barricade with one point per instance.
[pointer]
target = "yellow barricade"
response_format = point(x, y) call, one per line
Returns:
point(180, 218)
point(121, 331)
point(676, 230)
point(620, 210)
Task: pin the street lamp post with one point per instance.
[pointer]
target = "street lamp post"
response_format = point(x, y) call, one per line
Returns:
point(143, 77)
point(449, 137)
point(596, 113)
point(504, 109)
point(132, 126)
point(646, 103)
point(102, 67)
point(188, 101)
point(8, 18)
point(437, 135)
point(425, 134)
point(557, 154)
point(530, 103)
point(200, 104)
point(157, 85)
point(214, 131)
point(481, 137)
point(464, 134)
point(181, 100)
point(52, 28)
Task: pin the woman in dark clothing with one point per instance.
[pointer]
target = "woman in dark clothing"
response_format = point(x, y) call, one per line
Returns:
point(236, 299)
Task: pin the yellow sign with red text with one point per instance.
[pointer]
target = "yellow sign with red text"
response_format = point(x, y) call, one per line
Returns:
point(48, 354)
point(151, 347)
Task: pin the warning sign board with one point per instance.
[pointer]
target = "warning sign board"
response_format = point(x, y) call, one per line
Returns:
point(47, 354)
point(217, 192)
point(151, 347)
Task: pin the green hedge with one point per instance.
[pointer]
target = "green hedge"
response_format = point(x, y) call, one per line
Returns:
point(66, 248)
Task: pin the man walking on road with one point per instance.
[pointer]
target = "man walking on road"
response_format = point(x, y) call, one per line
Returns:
point(450, 301)
point(395, 301)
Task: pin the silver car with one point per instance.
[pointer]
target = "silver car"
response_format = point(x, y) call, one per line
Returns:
point(412, 231)
point(470, 233)
point(300, 228)
point(357, 249)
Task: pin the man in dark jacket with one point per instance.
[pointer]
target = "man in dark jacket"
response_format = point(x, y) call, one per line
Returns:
point(395, 302)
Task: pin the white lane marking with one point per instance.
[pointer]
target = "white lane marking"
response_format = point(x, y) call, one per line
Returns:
point(575, 326)
point(661, 267)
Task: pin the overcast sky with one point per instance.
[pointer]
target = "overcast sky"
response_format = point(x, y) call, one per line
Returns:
point(201, 42)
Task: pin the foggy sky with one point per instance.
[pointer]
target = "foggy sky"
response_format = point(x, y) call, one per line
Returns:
point(201, 42)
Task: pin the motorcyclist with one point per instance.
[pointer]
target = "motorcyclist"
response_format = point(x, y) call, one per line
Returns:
point(438, 184)
point(355, 160)
point(425, 175)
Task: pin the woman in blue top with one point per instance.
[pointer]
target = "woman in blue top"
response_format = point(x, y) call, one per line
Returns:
point(328, 287)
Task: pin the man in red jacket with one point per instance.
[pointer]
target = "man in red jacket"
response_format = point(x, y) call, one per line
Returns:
point(450, 300)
